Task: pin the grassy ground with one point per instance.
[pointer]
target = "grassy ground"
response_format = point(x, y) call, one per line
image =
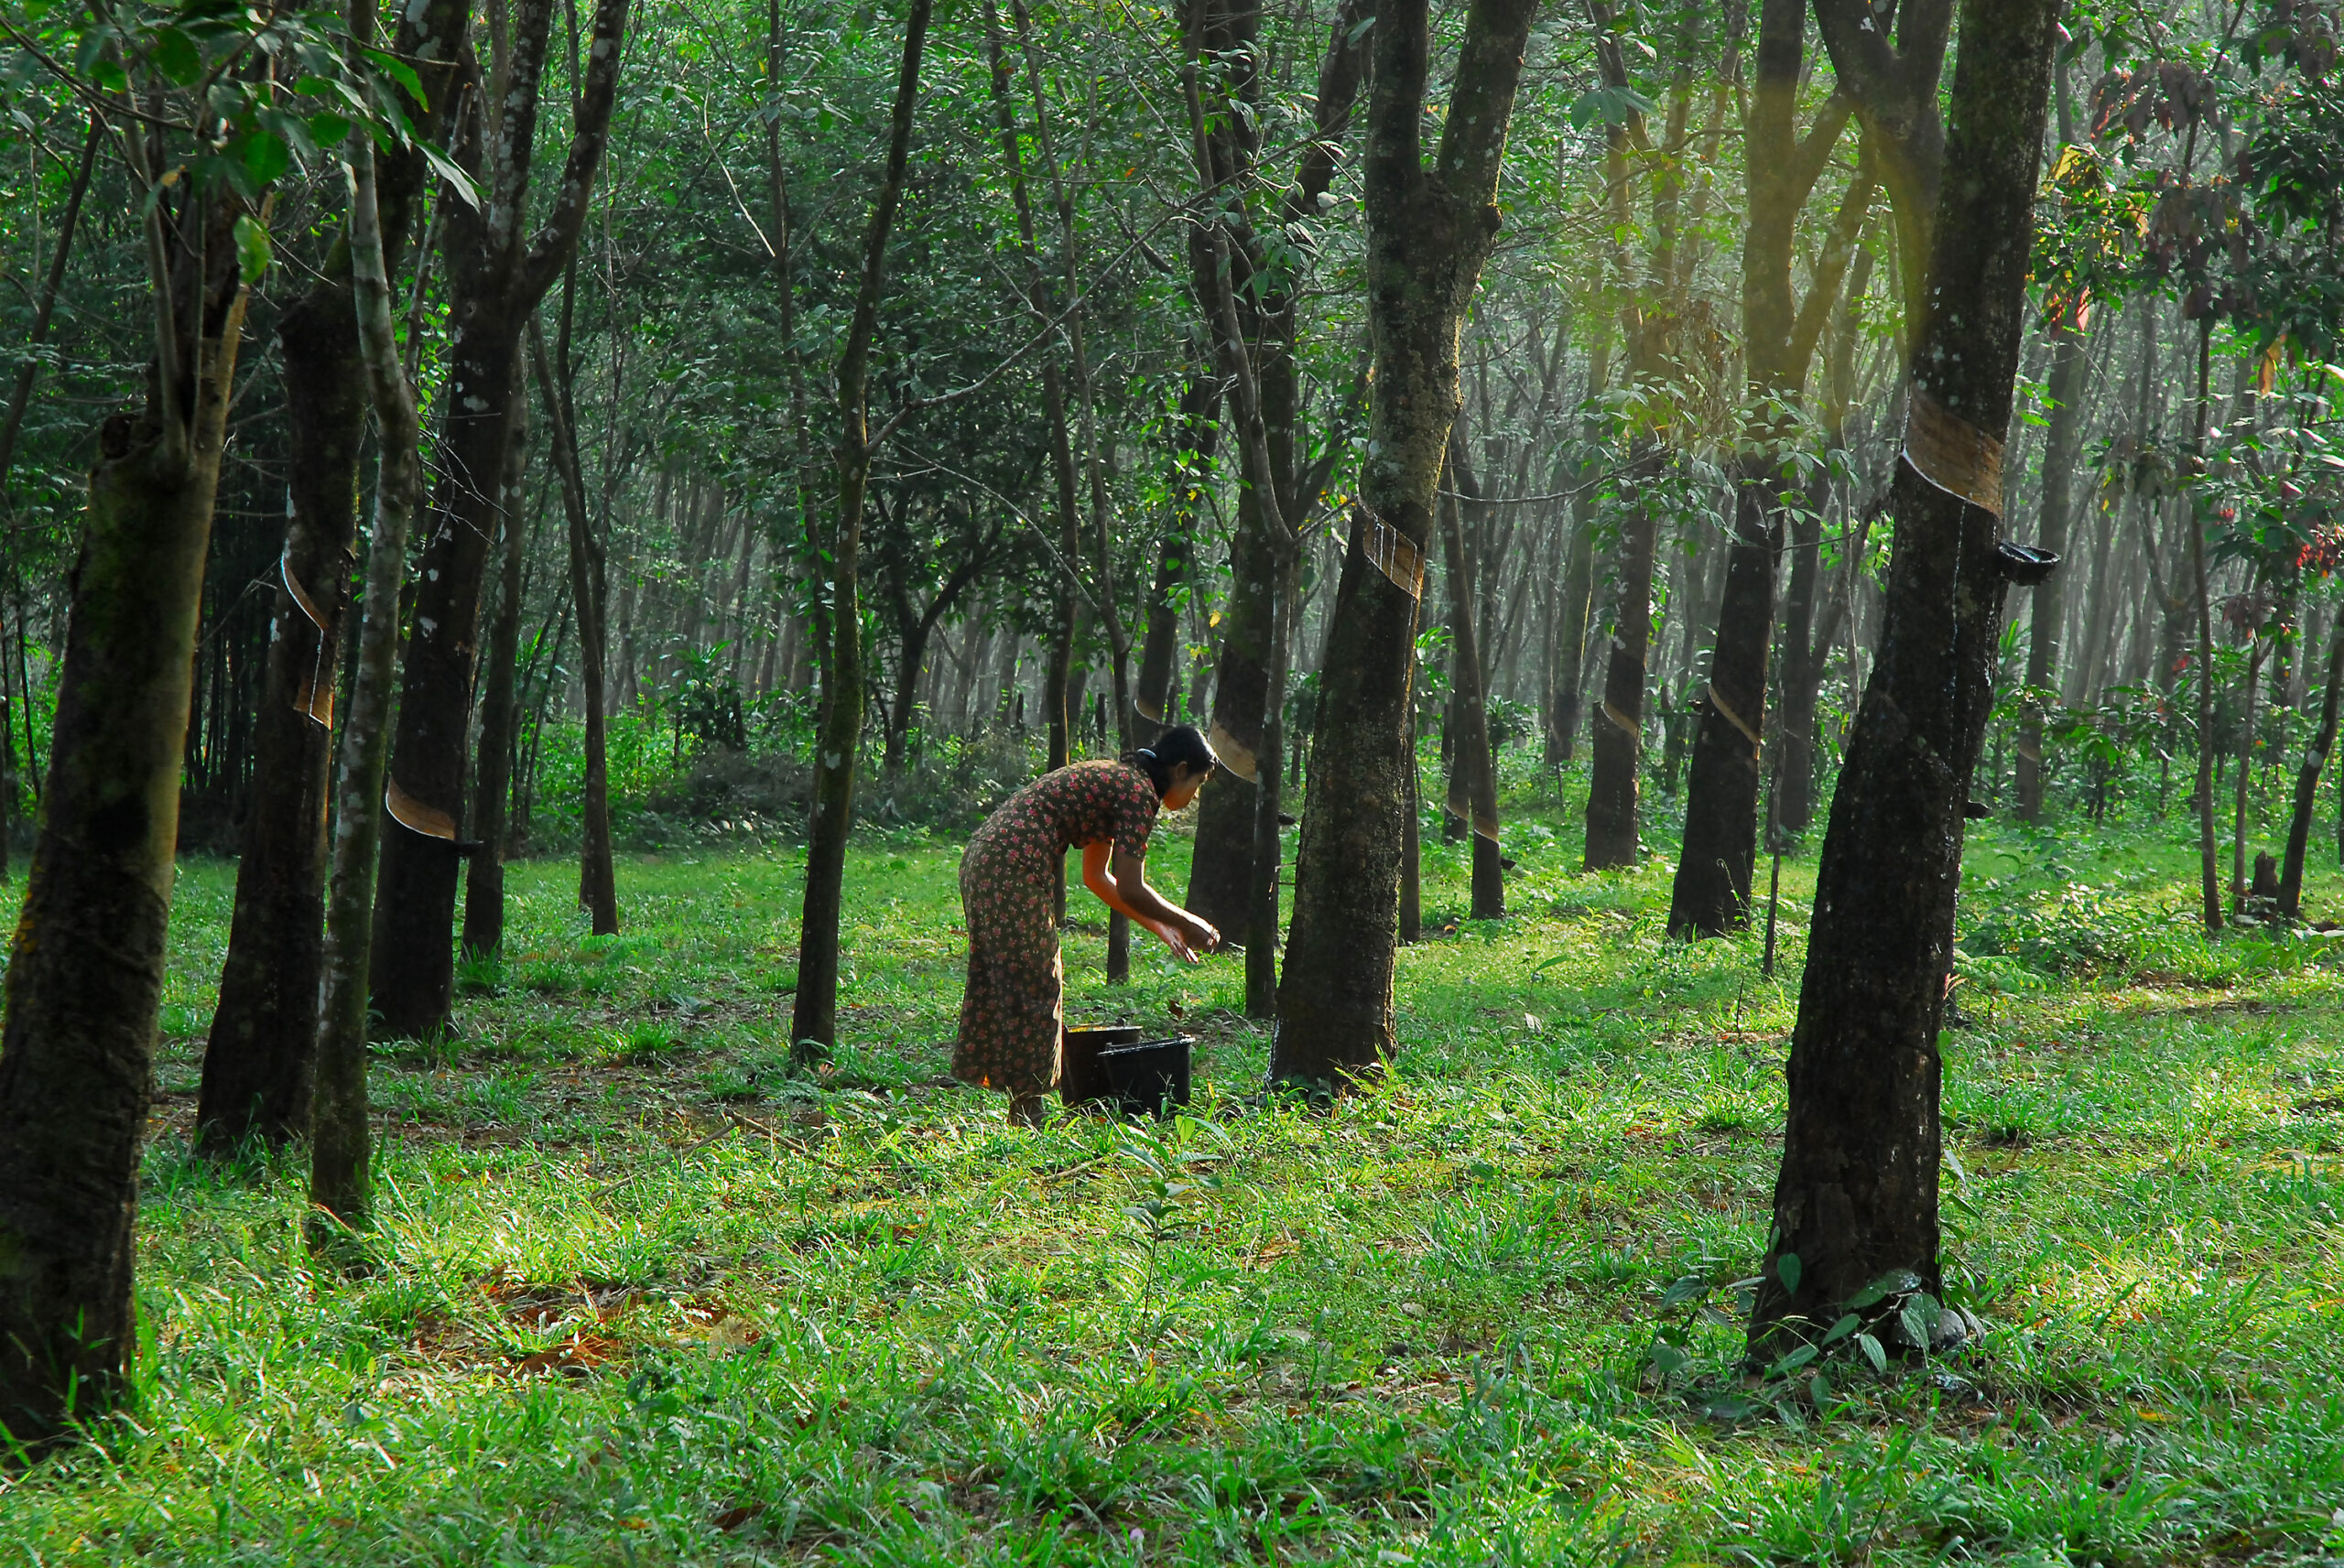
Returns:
point(650, 1300)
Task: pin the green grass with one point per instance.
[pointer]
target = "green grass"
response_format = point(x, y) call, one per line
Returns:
point(652, 1300)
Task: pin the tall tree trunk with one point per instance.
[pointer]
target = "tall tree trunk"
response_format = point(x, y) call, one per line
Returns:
point(1618, 743)
point(597, 881)
point(1428, 231)
point(2062, 449)
point(499, 719)
point(260, 1057)
point(341, 1149)
point(497, 273)
point(1473, 791)
point(85, 971)
point(1223, 874)
point(813, 1029)
point(1711, 892)
point(1617, 758)
point(1856, 1198)
point(2209, 883)
point(2291, 875)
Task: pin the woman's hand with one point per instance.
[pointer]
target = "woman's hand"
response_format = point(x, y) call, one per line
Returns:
point(1175, 938)
point(1202, 936)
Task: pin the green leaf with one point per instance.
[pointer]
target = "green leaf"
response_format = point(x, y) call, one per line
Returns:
point(398, 71)
point(1842, 1329)
point(265, 158)
point(458, 181)
point(252, 249)
point(175, 54)
point(1788, 1269)
point(1684, 1289)
point(1872, 1352)
point(1794, 1360)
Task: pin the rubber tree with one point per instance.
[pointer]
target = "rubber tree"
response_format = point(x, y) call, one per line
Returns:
point(1711, 892)
point(85, 968)
point(1067, 581)
point(498, 270)
point(2315, 756)
point(1855, 1204)
point(1647, 321)
point(261, 1053)
point(813, 1029)
point(597, 881)
point(2063, 444)
point(1430, 227)
point(500, 711)
point(1267, 292)
point(1473, 783)
point(342, 1145)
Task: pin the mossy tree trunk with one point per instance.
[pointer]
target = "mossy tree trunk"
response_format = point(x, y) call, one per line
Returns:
point(1856, 1197)
point(813, 1030)
point(497, 273)
point(1429, 229)
point(85, 969)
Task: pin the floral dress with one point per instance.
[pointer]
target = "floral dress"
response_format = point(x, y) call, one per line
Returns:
point(1011, 1015)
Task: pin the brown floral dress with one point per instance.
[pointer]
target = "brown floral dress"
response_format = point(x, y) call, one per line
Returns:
point(1011, 1015)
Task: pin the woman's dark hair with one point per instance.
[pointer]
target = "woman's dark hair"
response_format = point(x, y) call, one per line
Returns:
point(1176, 746)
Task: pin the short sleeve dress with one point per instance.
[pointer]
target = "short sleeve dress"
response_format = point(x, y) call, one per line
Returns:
point(1011, 1015)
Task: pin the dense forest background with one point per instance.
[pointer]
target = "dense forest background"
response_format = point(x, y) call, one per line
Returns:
point(2185, 210)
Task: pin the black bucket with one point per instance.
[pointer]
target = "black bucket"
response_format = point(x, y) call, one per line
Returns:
point(1150, 1078)
point(1079, 1080)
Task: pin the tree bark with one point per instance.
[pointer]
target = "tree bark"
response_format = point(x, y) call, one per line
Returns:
point(2291, 875)
point(597, 881)
point(85, 971)
point(1265, 295)
point(1711, 892)
point(813, 1029)
point(1474, 790)
point(483, 935)
point(2209, 875)
point(2062, 449)
point(1856, 1199)
point(497, 273)
point(1430, 230)
point(341, 1149)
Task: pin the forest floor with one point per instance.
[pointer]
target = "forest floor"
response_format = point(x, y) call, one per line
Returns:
point(649, 1299)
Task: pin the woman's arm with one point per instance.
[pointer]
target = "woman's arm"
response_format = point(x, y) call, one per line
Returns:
point(1120, 880)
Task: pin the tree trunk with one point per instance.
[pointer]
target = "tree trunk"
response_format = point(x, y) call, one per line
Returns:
point(341, 1150)
point(2062, 449)
point(497, 273)
point(1473, 793)
point(1618, 728)
point(1711, 895)
point(483, 934)
point(85, 972)
point(2291, 876)
point(1711, 892)
point(1856, 1199)
point(597, 882)
point(813, 1029)
point(2209, 885)
point(1428, 231)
